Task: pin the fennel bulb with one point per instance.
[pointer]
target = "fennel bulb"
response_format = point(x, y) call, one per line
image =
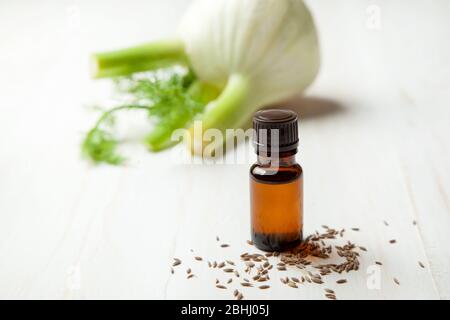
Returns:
point(244, 54)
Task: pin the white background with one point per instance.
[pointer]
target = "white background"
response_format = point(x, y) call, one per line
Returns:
point(374, 146)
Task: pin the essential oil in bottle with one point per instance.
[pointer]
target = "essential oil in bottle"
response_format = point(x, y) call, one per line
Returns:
point(276, 182)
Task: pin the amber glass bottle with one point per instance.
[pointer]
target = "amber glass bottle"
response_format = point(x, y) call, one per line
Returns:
point(276, 182)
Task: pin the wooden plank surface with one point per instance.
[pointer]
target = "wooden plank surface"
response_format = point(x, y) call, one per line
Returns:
point(374, 147)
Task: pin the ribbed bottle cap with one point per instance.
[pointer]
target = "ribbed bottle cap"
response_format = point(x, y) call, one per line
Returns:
point(282, 119)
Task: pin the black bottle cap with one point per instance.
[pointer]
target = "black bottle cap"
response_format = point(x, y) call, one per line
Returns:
point(283, 120)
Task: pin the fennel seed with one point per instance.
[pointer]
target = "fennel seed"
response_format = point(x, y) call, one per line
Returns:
point(176, 262)
point(316, 246)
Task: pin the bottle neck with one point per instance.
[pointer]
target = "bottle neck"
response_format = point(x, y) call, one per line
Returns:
point(284, 159)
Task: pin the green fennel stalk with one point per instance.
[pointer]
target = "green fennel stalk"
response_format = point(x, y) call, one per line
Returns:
point(149, 56)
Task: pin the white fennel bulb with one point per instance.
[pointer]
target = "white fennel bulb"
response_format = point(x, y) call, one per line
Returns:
point(259, 51)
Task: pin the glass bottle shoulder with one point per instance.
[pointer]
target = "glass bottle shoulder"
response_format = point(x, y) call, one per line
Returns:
point(269, 174)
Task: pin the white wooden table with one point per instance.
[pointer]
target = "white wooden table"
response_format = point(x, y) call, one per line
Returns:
point(374, 146)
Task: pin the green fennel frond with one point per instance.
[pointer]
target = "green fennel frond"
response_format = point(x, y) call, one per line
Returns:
point(100, 146)
point(168, 98)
